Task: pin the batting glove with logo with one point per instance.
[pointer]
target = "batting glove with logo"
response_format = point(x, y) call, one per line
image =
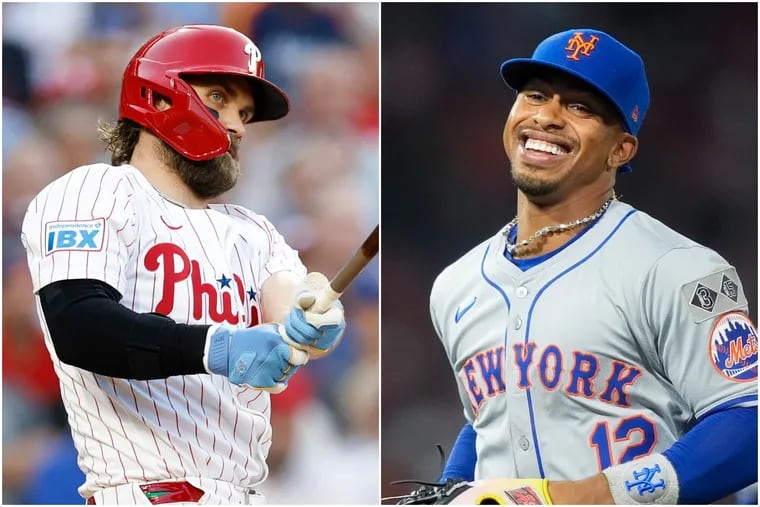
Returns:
point(482, 492)
point(256, 357)
point(310, 327)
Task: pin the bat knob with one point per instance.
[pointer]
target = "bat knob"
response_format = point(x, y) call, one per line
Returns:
point(306, 299)
point(325, 299)
point(317, 296)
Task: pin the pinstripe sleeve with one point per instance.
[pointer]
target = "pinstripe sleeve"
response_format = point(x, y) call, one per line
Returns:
point(81, 226)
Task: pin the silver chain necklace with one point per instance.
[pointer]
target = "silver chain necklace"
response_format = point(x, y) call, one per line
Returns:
point(551, 229)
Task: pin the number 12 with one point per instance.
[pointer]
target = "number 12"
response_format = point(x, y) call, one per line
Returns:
point(624, 431)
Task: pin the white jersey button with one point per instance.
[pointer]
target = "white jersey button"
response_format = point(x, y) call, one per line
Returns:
point(517, 324)
point(521, 292)
point(524, 443)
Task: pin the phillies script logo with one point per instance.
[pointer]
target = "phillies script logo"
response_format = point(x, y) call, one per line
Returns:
point(177, 268)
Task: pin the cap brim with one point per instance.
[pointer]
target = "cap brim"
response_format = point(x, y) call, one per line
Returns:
point(270, 101)
point(518, 71)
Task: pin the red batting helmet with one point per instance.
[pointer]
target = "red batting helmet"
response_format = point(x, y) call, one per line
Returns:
point(188, 126)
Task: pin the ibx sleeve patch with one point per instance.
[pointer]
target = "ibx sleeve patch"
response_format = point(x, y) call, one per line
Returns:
point(733, 347)
point(713, 295)
point(74, 235)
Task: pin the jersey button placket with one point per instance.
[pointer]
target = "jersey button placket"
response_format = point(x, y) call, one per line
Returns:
point(520, 292)
point(519, 421)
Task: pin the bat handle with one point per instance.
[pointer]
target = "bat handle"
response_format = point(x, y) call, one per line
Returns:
point(325, 299)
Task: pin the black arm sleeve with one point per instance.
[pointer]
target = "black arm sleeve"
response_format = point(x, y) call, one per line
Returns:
point(92, 331)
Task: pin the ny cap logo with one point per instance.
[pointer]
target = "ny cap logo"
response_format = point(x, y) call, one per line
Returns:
point(577, 46)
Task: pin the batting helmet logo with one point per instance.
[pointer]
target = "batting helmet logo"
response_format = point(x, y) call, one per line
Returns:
point(733, 347)
point(255, 59)
point(159, 68)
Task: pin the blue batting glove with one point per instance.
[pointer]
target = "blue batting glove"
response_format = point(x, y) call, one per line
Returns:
point(256, 357)
point(317, 332)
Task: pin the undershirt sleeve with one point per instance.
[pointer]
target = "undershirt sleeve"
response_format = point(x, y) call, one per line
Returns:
point(717, 457)
point(90, 330)
point(461, 462)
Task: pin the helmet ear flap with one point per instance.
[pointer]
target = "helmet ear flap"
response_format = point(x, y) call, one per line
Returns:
point(187, 125)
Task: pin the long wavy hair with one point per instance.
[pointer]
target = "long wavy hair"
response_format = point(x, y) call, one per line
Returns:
point(120, 138)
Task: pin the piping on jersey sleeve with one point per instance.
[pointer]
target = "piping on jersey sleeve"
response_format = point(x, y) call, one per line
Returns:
point(748, 400)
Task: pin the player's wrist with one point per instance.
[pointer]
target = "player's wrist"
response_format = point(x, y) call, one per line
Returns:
point(256, 357)
point(590, 491)
point(648, 480)
point(216, 350)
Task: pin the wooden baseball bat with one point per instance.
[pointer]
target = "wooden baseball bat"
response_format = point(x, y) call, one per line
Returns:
point(348, 272)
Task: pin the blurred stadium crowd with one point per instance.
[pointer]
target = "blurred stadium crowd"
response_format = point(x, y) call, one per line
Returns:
point(313, 174)
point(445, 171)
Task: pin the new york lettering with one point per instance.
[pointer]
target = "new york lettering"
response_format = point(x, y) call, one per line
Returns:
point(482, 375)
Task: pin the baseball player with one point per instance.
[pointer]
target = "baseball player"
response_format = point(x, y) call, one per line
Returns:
point(600, 356)
point(170, 320)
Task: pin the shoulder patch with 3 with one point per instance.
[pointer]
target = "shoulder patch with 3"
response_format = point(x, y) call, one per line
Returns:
point(714, 295)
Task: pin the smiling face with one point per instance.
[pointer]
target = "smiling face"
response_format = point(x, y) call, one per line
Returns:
point(561, 137)
point(231, 98)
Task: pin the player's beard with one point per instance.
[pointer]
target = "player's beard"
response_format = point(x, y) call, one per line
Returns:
point(532, 186)
point(207, 178)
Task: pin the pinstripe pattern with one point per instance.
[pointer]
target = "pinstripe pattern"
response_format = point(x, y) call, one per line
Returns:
point(196, 266)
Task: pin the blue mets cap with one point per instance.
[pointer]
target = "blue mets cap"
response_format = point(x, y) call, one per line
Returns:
point(596, 58)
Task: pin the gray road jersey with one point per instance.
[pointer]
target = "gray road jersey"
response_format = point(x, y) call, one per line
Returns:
point(601, 354)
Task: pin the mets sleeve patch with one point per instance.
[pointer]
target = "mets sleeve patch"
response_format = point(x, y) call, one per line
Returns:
point(733, 347)
point(713, 295)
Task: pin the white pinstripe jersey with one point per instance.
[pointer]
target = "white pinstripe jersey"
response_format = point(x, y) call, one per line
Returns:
point(605, 352)
point(197, 266)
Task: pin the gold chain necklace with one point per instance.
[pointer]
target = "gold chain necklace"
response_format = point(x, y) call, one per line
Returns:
point(551, 229)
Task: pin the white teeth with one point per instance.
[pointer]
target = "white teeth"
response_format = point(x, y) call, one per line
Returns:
point(537, 145)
